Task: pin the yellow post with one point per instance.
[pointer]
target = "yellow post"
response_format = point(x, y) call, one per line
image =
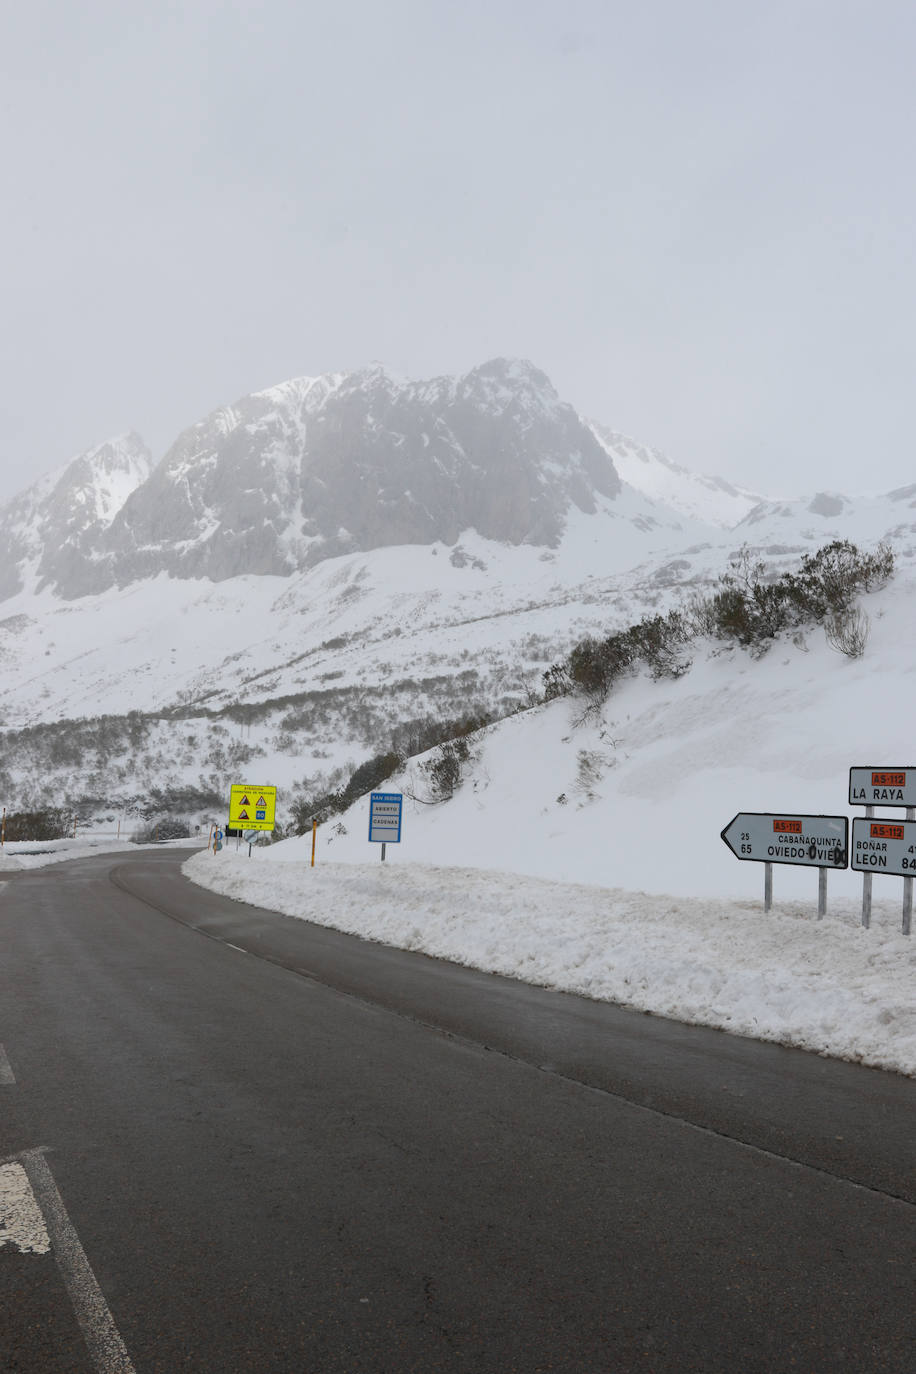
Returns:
point(314, 833)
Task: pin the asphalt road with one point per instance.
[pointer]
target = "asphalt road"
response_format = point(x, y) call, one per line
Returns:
point(277, 1148)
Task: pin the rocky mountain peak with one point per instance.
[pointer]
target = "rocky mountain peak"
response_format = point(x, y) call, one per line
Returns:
point(315, 467)
point(49, 530)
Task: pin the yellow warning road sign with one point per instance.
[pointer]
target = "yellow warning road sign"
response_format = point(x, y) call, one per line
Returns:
point(252, 808)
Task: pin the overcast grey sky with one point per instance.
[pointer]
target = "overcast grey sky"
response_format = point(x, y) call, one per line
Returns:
point(696, 218)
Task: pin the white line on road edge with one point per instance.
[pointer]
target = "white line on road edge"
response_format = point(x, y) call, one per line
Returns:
point(238, 947)
point(6, 1072)
point(107, 1350)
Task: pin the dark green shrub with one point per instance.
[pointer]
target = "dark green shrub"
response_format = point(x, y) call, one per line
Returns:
point(748, 607)
point(753, 610)
point(163, 828)
point(557, 681)
point(52, 823)
point(306, 810)
point(657, 641)
point(596, 664)
point(368, 776)
point(443, 770)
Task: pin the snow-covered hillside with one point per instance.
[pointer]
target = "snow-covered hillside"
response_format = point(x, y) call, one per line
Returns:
point(634, 795)
point(582, 848)
point(699, 497)
point(306, 675)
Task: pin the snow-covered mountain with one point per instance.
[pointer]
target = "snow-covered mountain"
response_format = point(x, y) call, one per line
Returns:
point(49, 531)
point(318, 467)
point(308, 569)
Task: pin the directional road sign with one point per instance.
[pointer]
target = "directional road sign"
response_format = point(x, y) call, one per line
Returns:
point(815, 841)
point(882, 786)
point(252, 808)
point(884, 847)
point(385, 817)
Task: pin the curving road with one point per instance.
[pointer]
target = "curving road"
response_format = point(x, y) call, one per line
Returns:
point(259, 1145)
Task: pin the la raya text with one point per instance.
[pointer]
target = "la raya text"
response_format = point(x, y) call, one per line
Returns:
point(872, 795)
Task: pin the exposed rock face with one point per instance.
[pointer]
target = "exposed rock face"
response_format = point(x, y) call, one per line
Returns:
point(826, 503)
point(317, 467)
point(54, 529)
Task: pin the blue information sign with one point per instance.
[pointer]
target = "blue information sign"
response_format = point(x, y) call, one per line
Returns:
point(385, 817)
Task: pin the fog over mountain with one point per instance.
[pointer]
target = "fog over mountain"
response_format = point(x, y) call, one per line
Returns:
point(313, 468)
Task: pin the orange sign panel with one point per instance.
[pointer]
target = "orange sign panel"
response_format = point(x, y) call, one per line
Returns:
point(886, 832)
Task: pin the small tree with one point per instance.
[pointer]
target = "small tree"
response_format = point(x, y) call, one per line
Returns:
point(443, 769)
point(847, 631)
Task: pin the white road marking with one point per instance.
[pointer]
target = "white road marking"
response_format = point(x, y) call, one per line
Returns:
point(21, 1222)
point(6, 1072)
point(238, 947)
point(107, 1350)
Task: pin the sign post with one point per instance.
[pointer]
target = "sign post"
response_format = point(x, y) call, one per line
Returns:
point(871, 787)
point(820, 842)
point(385, 810)
point(866, 881)
point(906, 924)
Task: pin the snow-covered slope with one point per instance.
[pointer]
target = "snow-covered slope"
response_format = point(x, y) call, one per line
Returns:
point(320, 668)
point(708, 499)
point(396, 612)
point(635, 795)
point(827, 515)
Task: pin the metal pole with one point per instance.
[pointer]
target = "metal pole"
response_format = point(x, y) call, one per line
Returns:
point(383, 852)
point(314, 833)
point(767, 886)
point(821, 893)
point(866, 885)
point(908, 887)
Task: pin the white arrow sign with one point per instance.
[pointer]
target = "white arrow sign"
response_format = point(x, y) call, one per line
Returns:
point(814, 841)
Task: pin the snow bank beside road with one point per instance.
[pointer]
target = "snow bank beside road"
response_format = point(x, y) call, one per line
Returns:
point(39, 853)
point(826, 986)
